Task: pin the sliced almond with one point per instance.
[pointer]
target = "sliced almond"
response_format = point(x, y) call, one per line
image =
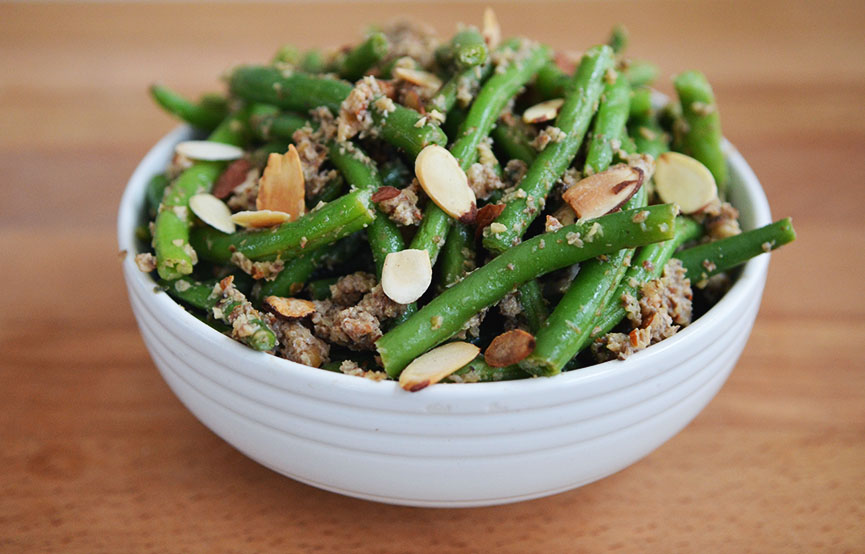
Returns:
point(509, 348)
point(603, 192)
point(212, 211)
point(385, 193)
point(206, 150)
point(260, 218)
point(545, 111)
point(492, 31)
point(417, 77)
point(281, 187)
point(406, 275)
point(436, 364)
point(289, 308)
point(682, 180)
point(487, 215)
point(233, 176)
point(444, 181)
point(565, 215)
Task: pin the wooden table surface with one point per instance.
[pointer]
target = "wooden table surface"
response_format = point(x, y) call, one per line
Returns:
point(97, 455)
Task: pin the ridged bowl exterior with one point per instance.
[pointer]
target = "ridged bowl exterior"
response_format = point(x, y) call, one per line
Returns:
point(448, 445)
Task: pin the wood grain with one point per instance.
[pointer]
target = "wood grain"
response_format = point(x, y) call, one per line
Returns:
point(98, 456)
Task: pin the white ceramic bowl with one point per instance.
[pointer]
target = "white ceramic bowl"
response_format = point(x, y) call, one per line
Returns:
point(449, 445)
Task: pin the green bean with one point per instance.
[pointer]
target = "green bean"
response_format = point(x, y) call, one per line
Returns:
point(361, 173)
point(290, 280)
point(288, 54)
point(363, 56)
point(258, 157)
point(646, 265)
point(484, 111)
point(559, 338)
point(312, 61)
point(332, 190)
point(294, 91)
point(457, 257)
point(400, 128)
point(641, 103)
point(479, 371)
point(446, 314)
point(320, 288)
point(711, 258)
point(174, 257)
point(394, 173)
point(204, 115)
point(640, 73)
point(469, 49)
point(533, 304)
point(513, 141)
point(618, 40)
point(155, 191)
point(468, 79)
point(331, 222)
point(702, 136)
point(267, 122)
point(552, 82)
point(609, 124)
point(573, 120)
point(649, 137)
point(198, 294)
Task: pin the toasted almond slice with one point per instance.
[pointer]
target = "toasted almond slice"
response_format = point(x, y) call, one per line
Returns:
point(281, 187)
point(289, 308)
point(545, 111)
point(233, 176)
point(212, 211)
point(492, 31)
point(385, 193)
point(445, 183)
point(417, 77)
point(206, 150)
point(565, 215)
point(509, 348)
point(603, 192)
point(406, 275)
point(436, 364)
point(682, 180)
point(260, 218)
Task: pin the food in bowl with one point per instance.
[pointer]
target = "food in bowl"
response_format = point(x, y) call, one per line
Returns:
point(467, 210)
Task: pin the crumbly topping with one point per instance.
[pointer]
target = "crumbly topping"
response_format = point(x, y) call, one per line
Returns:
point(234, 309)
point(514, 172)
point(312, 150)
point(350, 367)
point(664, 306)
point(179, 164)
point(354, 114)
point(146, 262)
point(356, 327)
point(574, 239)
point(298, 344)
point(348, 290)
point(720, 219)
point(548, 135)
point(257, 270)
point(552, 224)
point(413, 40)
point(244, 195)
point(402, 209)
point(483, 179)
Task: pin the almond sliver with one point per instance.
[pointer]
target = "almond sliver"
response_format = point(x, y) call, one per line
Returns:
point(406, 275)
point(436, 364)
point(603, 192)
point(492, 31)
point(417, 77)
point(682, 180)
point(444, 181)
point(282, 187)
point(260, 218)
point(289, 308)
point(212, 211)
point(545, 111)
point(509, 348)
point(206, 150)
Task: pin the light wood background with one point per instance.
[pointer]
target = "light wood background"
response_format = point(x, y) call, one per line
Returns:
point(97, 455)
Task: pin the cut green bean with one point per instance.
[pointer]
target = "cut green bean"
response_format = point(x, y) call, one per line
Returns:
point(449, 93)
point(204, 115)
point(342, 217)
point(155, 191)
point(700, 137)
point(457, 257)
point(551, 81)
point(573, 121)
point(479, 371)
point(174, 255)
point(446, 314)
point(468, 49)
point(362, 57)
point(609, 125)
point(513, 141)
point(312, 61)
point(267, 122)
point(640, 73)
point(618, 40)
point(287, 54)
point(705, 260)
point(319, 289)
point(533, 304)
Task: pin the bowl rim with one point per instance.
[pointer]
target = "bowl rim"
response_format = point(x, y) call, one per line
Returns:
point(337, 383)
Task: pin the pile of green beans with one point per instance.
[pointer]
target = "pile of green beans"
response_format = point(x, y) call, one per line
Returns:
point(608, 115)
